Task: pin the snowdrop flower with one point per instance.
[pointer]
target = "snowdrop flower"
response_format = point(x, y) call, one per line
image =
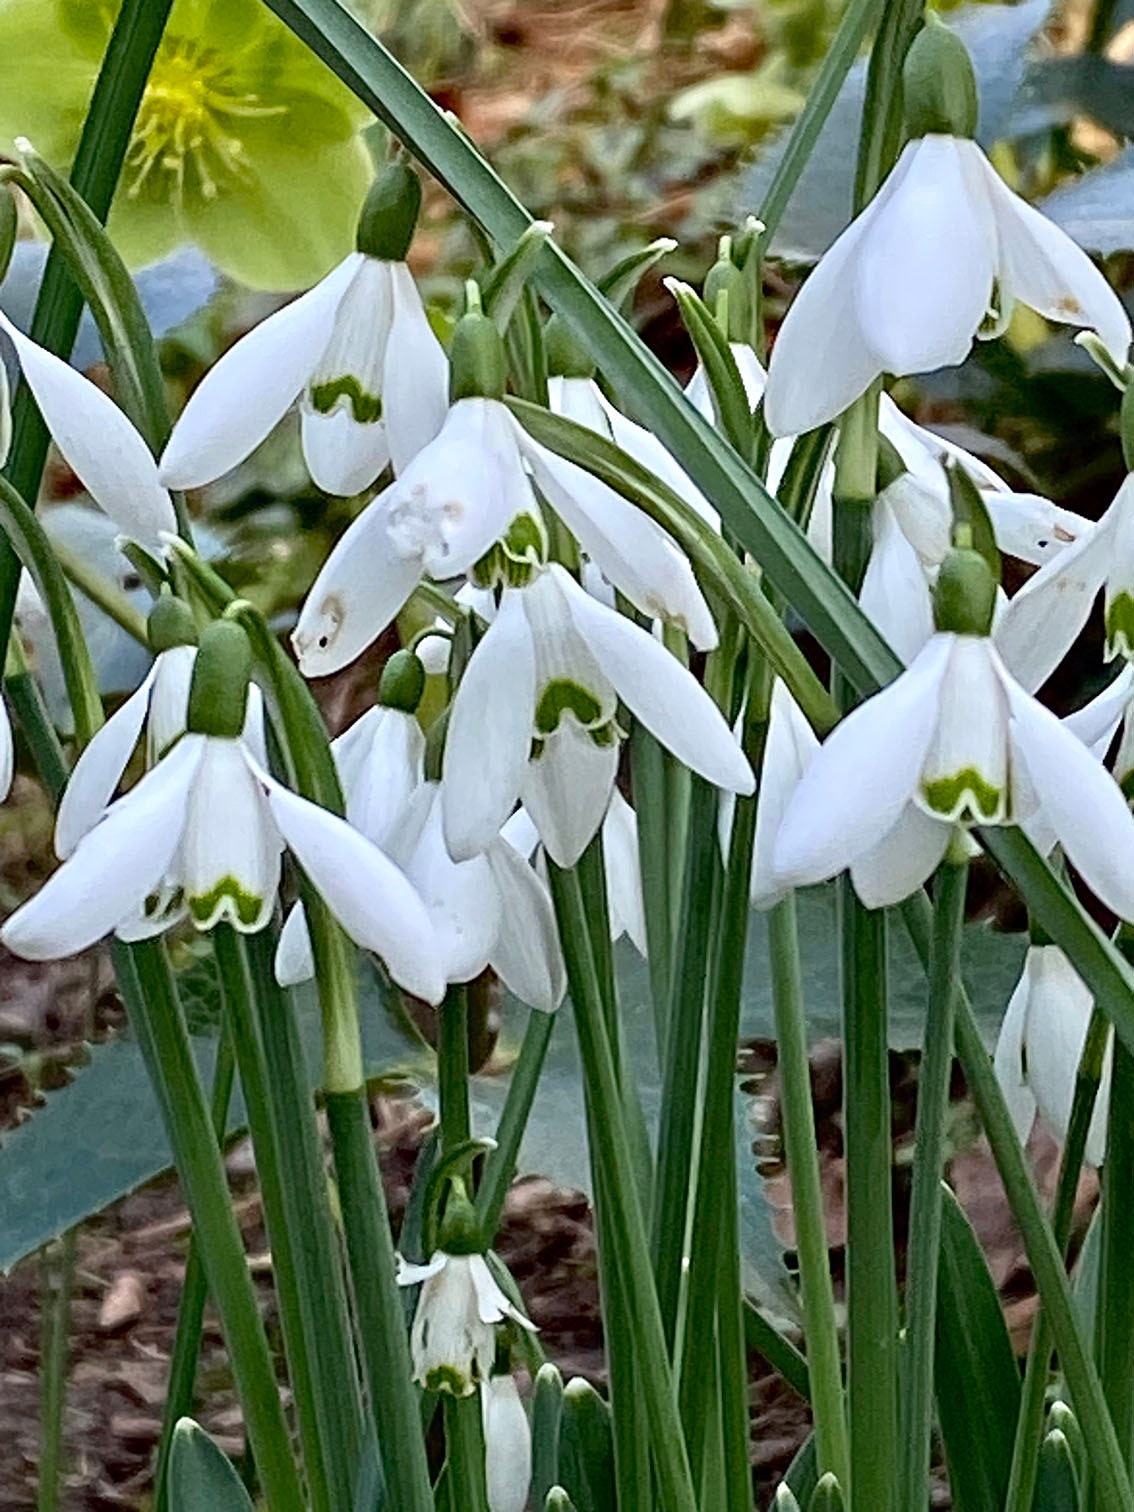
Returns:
point(453, 1339)
point(358, 353)
point(1048, 612)
point(463, 493)
point(97, 441)
point(544, 685)
point(1040, 1045)
point(954, 739)
point(914, 279)
point(202, 834)
point(507, 1445)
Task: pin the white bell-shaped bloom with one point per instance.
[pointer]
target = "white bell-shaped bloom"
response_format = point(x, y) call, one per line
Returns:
point(541, 693)
point(909, 284)
point(1040, 1045)
point(97, 441)
point(507, 1445)
point(7, 752)
point(457, 498)
point(159, 707)
point(453, 1339)
point(1045, 616)
point(202, 834)
point(357, 351)
point(954, 738)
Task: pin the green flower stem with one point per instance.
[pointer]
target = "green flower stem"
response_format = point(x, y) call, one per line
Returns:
point(1033, 1397)
point(824, 1365)
point(778, 1350)
point(26, 698)
point(58, 1272)
point(647, 768)
point(156, 1016)
point(676, 1137)
point(500, 1166)
point(1115, 1328)
point(183, 1361)
point(732, 1353)
point(925, 1208)
point(1043, 1253)
point(881, 138)
point(382, 1338)
point(616, 1189)
point(94, 174)
point(305, 1263)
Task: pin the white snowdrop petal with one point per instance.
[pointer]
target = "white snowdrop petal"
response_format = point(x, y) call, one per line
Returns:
point(789, 748)
point(114, 868)
point(566, 789)
point(169, 700)
point(415, 383)
point(1008, 1060)
point(862, 777)
point(1032, 528)
point(248, 392)
point(659, 691)
point(490, 732)
point(295, 961)
point(903, 860)
point(507, 1445)
point(1059, 1012)
point(462, 901)
point(230, 854)
point(526, 954)
point(99, 769)
point(644, 447)
point(895, 592)
point(343, 455)
point(624, 873)
point(361, 587)
point(7, 752)
point(1045, 616)
point(965, 771)
point(97, 441)
point(381, 763)
point(1096, 723)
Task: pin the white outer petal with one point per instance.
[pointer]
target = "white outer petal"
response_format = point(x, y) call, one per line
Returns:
point(361, 587)
point(461, 898)
point(7, 752)
point(248, 392)
point(526, 955)
point(905, 857)
point(1032, 528)
point(381, 764)
point(789, 749)
point(1096, 723)
point(1042, 620)
point(415, 382)
point(1059, 1012)
point(507, 1445)
point(862, 777)
point(1008, 1060)
point(169, 700)
point(97, 441)
point(371, 898)
point(490, 732)
point(295, 960)
point(99, 769)
point(659, 691)
point(625, 903)
point(895, 592)
point(114, 868)
point(644, 447)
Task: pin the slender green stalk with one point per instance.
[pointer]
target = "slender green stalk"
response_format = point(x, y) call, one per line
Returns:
point(58, 1271)
point(194, 1293)
point(925, 1208)
point(30, 710)
point(98, 163)
point(464, 1459)
point(1033, 1396)
point(500, 1165)
point(1116, 1275)
point(800, 1148)
point(882, 109)
point(382, 1336)
point(102, 593)
point(616, 1189)
point(732, 1353)
point(158, 1021)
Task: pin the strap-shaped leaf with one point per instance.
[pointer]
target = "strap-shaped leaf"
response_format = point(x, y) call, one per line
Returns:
point(201, 1479)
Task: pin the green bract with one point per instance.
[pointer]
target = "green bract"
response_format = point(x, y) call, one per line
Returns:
point(244, 143)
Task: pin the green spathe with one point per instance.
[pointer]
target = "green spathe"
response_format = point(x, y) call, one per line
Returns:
point(218, 694)
point(940, 92)
point(245, 143)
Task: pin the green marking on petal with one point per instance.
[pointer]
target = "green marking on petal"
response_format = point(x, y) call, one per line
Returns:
point(560, 697)
point(514, 560)
point(226, 897)
point(1120, 626)
point(366, 408)
point(449, 1379)
point(967, 791)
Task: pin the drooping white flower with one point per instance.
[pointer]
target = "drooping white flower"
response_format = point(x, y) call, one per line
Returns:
point(954, 738)
point(202, 834)
point(1040, 1045)
point(542, 689)
point(909, 284)
point(453, 1339)
point(1045, 616)
point(507, 1445)
point(97, 441)
point(459, 496)
point(358, 353)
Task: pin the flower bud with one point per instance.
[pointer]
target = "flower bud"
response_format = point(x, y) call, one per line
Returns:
point(558, 1501)
point(827, 1496)
point(566, 356)
point(478, 367)
point(402, 682)
point(389, 215)
point(965, 594)
point(939, 84)
point(727, 288)
point(9, 228)
point(218, 694)
point(170, 624)
point(784, 1499)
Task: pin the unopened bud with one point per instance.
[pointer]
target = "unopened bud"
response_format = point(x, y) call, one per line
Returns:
point(9, 228)
point(402, 682)
point(558, 1501)
point(784, 1499)
point(939, 85)
point(965, 594)
point(218, 694)
point(727, 290)
point(170, 623)
point(566, 355)
point(389, 215)
point(827, 1496)
point(478, 367)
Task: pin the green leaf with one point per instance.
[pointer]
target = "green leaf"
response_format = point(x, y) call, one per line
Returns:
point(1057, 1486)
point(730, 401)
point(802, 1476)
point(502, 285)
point(201, 1479)
point(586, 1448)
point(547, 1415)
point(977, 1379)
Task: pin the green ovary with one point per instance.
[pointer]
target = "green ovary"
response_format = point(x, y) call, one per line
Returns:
point(366, 408)
point(949, 796)
point(206, 908)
